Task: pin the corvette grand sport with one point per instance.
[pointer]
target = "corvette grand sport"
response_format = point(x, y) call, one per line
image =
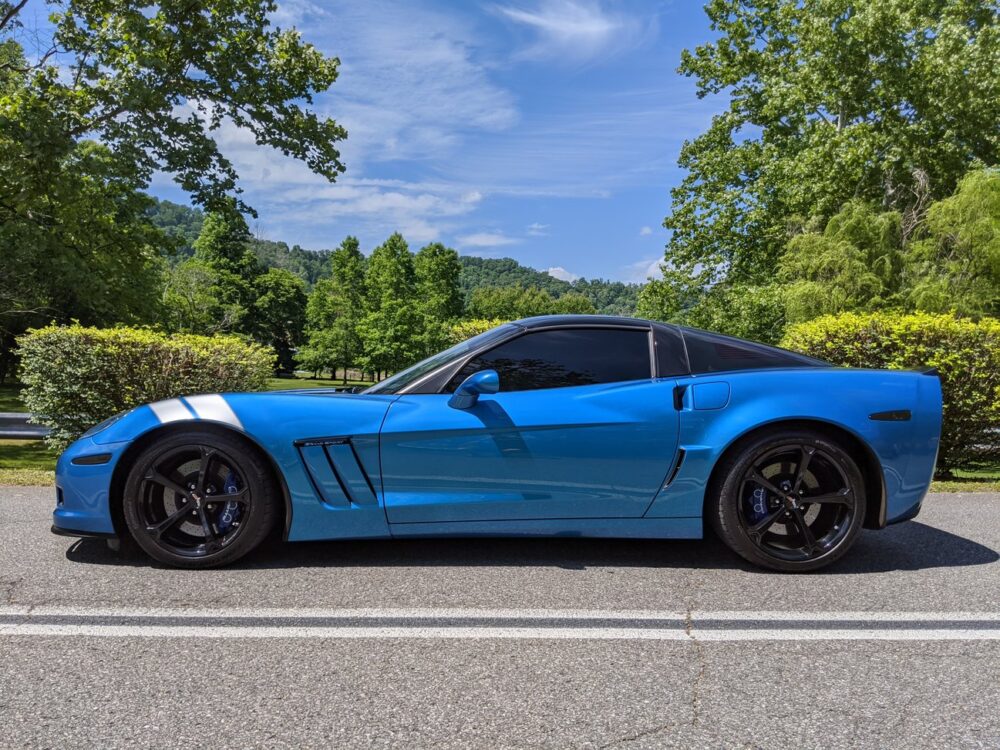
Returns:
point(551, 426)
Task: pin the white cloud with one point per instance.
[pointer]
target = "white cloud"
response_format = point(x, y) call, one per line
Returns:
point(538, 230)
point(486, 239)
point(574, 29)
point(561, 273)
point(642, 270)
point(645, 231)
point(410, 85)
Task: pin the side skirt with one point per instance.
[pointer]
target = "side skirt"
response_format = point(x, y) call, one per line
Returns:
point(620, 528)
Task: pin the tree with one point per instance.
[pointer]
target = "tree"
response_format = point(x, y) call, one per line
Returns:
point(439, 296)
point(829, 100)
point(509, 303)
point(573, 303)
point(194, 301)
point(149, 82)
point(855, 263)
point(153, 80)
point(78, 247)
point(335, 311)
point(956, 267)
point(391, 328)
point(223, 246)
point(279, 311)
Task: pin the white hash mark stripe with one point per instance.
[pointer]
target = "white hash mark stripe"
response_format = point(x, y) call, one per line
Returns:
point(499, 624)
point(171, 410)
point(214, 408)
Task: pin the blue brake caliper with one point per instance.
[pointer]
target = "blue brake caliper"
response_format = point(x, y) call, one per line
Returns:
point(757, 502)
point(231, 510)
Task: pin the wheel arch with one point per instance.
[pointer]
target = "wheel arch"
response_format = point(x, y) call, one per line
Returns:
point(128, 458)
point(859, 450)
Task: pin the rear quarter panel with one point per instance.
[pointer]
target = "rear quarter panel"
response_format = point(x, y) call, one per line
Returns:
point(719, 409)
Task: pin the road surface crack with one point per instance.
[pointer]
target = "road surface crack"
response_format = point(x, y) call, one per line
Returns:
point(639, 735)
point(8, 586)
point(699, 678)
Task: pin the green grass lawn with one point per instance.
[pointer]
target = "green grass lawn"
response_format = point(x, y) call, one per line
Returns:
point(10, 397)
point(284, 384)
point(26, 462)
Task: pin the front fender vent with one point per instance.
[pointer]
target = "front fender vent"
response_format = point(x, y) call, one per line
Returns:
point(336, 473)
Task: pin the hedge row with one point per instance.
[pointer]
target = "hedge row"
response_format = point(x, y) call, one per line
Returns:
point(75, 377)
point(966, 354)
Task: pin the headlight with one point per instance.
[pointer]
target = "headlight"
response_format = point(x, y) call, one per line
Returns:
point(104, 425)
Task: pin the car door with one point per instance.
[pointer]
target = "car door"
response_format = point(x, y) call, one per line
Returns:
point(580, 428)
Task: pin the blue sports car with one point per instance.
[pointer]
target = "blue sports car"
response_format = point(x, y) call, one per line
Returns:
point(550, 426)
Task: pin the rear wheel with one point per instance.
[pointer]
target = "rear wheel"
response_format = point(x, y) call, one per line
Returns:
point(792, 501)
point(199, 499)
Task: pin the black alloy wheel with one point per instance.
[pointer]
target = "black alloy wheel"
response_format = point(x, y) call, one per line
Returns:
point(791, 502)
point(199, 500)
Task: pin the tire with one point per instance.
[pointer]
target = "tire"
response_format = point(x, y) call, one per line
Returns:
point(792, 500)
point(200, 499)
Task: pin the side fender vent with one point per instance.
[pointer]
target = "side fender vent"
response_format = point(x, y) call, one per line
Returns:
point(676, 469)
point(336, 473)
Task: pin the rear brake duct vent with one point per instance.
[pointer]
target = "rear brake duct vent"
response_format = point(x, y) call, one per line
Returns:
point(336, 472)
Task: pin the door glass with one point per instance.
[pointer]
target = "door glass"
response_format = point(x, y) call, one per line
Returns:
point(565, 357)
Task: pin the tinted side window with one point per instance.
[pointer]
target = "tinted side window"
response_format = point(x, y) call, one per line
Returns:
point(560, 358)
point(671, 358)
point(710, 352)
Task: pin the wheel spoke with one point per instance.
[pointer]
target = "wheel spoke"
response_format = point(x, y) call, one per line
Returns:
point(206, 526)
point(157, 530)
point(757, 478)
point(207, 455)
point(158, 478)
point(844, 497)
point(800, 473)
point(240, 496)
point(763, 525)
point(803, 527)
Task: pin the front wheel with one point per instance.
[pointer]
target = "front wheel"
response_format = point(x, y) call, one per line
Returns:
point(791, 501)
point(199, 499)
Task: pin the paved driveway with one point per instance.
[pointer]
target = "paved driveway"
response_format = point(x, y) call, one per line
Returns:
point(504, 643)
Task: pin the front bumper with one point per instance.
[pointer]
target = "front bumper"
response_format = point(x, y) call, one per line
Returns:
point(83, 489)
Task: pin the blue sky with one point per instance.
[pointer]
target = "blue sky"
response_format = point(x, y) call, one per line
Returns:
point(542, 130)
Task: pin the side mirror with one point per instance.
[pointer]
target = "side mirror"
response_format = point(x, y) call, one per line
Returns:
point(467, 394)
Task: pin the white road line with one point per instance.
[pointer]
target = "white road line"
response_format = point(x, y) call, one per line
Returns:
point(457, 613)
point(501, 633)
point(499, 624)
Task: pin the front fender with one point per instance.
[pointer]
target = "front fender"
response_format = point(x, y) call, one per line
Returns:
point(273, 421)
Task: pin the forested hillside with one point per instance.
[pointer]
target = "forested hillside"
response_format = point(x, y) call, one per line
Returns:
point(607, 297)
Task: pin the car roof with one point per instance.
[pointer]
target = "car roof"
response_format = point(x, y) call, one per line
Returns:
point(549, 321)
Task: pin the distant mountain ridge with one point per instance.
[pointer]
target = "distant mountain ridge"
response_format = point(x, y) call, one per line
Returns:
point(608, 297)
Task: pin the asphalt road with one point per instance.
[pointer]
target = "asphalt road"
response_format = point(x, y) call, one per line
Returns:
point(504, 643)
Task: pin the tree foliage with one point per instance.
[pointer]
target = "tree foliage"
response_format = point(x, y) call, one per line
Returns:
point(511, 302)
point(862, 259)
point(335, 311)
point(390, 330)
point(279, 311)
point(119, 90)
point(829, 100)
point(956, 266)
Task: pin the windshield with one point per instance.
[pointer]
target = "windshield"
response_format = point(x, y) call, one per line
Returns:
point(403, 378)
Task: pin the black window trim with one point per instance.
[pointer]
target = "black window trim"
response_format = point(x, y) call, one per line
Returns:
point(524, 331)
